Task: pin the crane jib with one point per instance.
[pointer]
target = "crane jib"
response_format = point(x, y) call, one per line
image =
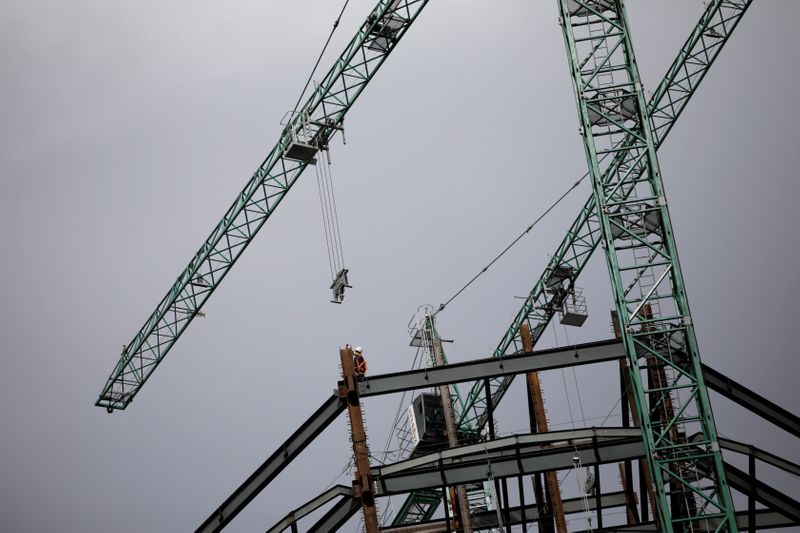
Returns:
point(323, 114)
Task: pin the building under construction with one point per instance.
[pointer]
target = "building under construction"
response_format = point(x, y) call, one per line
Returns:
point(657, 462)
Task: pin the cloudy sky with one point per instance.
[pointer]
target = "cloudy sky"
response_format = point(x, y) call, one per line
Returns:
point(127, 128)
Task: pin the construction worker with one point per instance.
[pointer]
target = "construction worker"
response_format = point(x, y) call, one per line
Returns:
point(360, 363)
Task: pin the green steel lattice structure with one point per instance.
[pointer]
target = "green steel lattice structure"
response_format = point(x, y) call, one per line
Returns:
point(701, 49)
point(319, 119)
point(647, 282)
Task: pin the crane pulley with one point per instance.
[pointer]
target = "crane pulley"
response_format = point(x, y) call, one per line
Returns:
point(311, 144)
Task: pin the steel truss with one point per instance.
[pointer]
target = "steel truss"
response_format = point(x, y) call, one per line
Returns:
point(647, 281)
point(308, 131)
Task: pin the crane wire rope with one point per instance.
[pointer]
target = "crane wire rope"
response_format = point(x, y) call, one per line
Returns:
point(575, 379)
point(330, 218)
point(324, 210)
point(322, 53)
point(334, 211)
point(505, 250)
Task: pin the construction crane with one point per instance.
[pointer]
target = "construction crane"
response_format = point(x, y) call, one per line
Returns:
point(693, 61)
point(641, 254)
point(627, 213)
point(307, 131)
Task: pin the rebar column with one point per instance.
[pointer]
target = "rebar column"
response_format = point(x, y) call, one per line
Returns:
point(362, 484)
point(535, 388)
point(461, 504)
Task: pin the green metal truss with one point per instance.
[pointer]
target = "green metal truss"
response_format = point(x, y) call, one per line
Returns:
point(425, 502)
point(314, 124)
point(684, 76)
point(649, 291)
point(429, 334)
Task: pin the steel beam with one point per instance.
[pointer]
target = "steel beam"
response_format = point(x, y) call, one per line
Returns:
point(580, 354)
point(765, 519)
point(311, 506)
point(763, 493)
point(488, 519)
point(511, 456)
point(761, 455)
point(336, 517)
point(751, 400)
point(276, 462)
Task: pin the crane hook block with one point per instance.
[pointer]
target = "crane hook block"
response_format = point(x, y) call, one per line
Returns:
point(338, 286)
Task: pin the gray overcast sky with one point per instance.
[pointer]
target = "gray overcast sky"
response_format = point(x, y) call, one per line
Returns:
point(129, 127)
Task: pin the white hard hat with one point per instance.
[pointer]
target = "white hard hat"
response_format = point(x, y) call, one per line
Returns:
point(358, 349)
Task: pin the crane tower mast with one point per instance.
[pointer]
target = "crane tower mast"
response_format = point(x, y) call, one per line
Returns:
point(683, 78)
point(640, 251)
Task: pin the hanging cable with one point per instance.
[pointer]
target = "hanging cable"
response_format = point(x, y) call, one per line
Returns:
point(578, 465)
point(514, 242)
point(322, 53)
point(575, 378)
point(327, 231)
point(520, 236)
point(337, 233)
point(566, 390)
point(330, 221)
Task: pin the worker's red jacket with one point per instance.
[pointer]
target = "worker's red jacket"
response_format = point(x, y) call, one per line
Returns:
point(361, 365)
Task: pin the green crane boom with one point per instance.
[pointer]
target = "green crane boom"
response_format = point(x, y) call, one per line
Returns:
point(307, 132)
point(684, 76)
point(681, 82)
point(646, 278)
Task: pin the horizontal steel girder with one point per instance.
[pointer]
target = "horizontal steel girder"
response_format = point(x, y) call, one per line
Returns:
point(761, 455)
point(531, 453)
point(595, 352)
point(765, 519)
point(488, 519)
point(511, 456)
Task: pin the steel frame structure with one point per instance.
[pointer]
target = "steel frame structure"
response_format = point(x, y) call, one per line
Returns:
point(491, 368)
point(317, 121)
point(510, 456)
